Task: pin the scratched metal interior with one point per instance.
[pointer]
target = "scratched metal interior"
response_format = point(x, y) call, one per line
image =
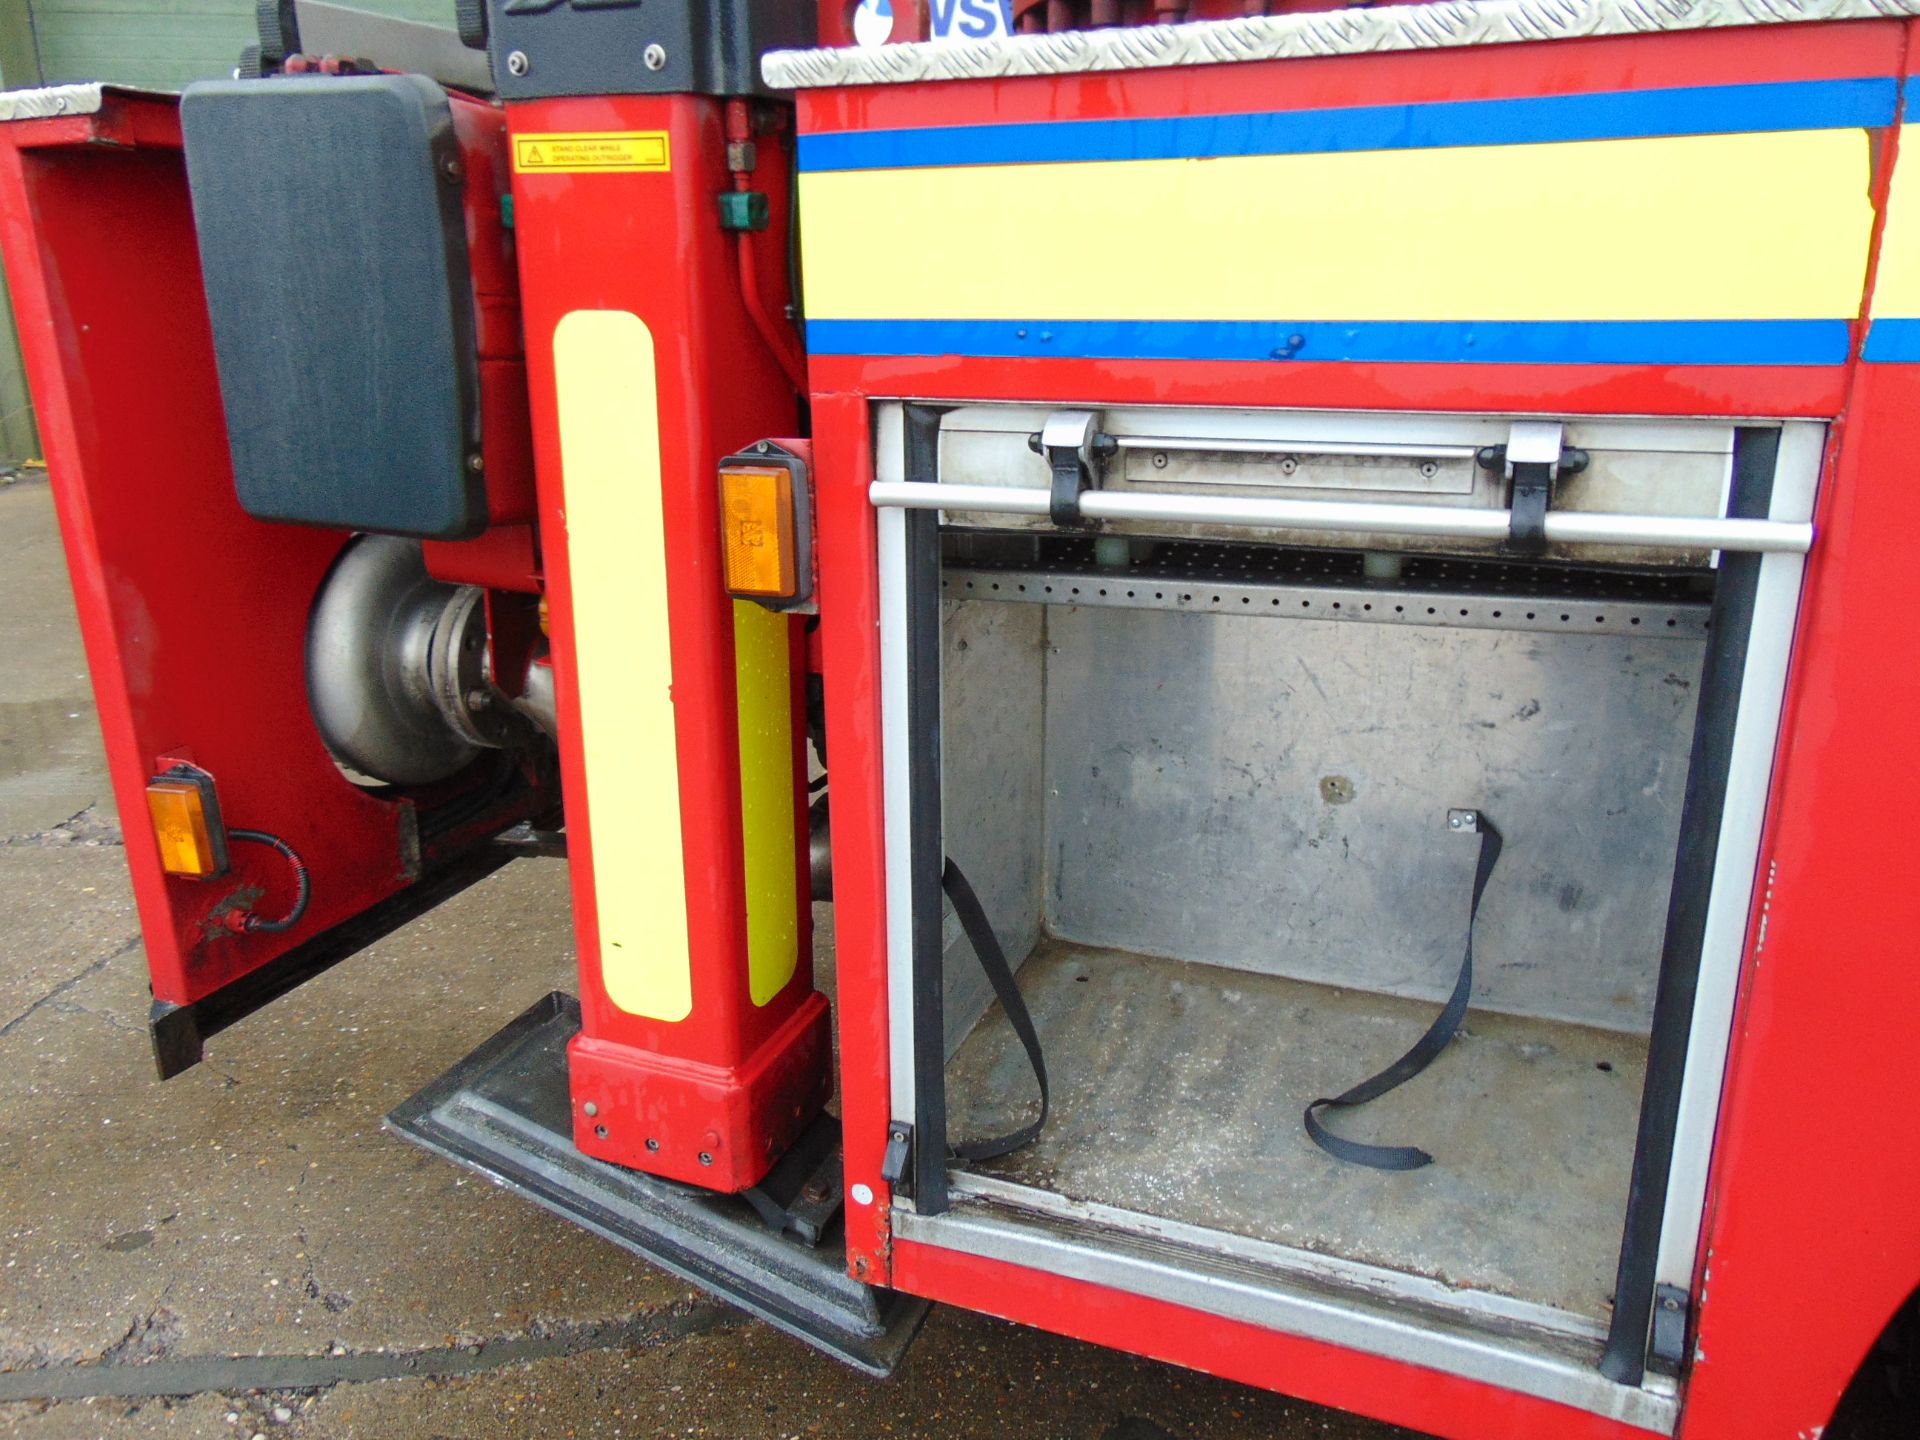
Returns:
point(1218, 843)
point(1268, 793)
point(1177, 1092)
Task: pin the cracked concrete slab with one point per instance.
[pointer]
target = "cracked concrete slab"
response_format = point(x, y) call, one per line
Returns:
point(49, 730)
point(969, 1377)
point(248, 1224)
point(255, 1197)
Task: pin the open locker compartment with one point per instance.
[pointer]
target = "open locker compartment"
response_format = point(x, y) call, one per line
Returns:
point(1202, 781)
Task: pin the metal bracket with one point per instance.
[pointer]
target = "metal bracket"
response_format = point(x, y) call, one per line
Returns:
point(1464, 822)
point(1533, 459)
point(803, 1191)
point(1075, 450)
point(894, 1164)
point(1671, 1311)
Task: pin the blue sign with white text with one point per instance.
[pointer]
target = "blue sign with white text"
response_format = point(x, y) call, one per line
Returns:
point(971, 19)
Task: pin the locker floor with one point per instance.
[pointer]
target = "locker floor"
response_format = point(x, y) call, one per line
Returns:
point(1178, 1090)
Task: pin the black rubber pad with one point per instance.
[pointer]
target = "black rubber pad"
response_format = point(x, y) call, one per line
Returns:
point(333, 245)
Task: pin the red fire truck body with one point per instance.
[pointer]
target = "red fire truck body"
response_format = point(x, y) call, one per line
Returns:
point(1244, 508)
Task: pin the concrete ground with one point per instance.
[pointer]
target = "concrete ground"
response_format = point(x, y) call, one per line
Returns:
point(243, 1252)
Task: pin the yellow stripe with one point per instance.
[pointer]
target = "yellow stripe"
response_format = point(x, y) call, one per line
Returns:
point(1716, 227)
point(1896, 290)
point(762, 650)
point(616, 550)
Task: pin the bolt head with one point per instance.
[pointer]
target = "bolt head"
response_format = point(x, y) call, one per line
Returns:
point(654, 57)
point(517, 62)
point(478, 700)
point(705, 1158)
point(591, 1108)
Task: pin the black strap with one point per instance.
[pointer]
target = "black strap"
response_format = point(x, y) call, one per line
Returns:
point(1425, 1049)
point(993, 960)
point(1532, 494)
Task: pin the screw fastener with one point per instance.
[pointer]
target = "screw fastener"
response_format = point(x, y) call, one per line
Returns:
point(517, 63)
point(654, 57)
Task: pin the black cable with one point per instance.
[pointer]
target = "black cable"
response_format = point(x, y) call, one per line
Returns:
point(302, 882)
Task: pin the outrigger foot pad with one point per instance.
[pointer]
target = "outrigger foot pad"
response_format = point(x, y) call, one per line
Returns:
point(504, 1111)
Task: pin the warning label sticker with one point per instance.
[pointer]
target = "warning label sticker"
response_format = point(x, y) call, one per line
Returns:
point(633, 150)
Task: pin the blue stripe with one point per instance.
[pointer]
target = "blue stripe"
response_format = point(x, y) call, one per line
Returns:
point(1531, 120)
point(1502, 342)
point(1893, 342)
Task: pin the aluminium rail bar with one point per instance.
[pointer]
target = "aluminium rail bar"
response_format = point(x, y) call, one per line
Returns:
point(1667, 532)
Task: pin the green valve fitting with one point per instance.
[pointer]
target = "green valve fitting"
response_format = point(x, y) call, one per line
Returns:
point(743, 210)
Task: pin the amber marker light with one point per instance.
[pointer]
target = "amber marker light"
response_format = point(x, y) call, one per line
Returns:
point(757, 531)
point(186, 823)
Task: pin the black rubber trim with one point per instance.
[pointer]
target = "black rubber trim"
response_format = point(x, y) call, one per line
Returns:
point(1423, 1052)
point(927, 855)
point(179, 1032)
point(1755, 454)
point(505, 1111)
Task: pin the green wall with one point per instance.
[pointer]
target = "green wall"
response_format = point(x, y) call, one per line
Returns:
point(163, 44)
point(154, 44)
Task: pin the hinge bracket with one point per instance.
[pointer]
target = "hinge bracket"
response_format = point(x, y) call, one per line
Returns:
point(1671, 1312)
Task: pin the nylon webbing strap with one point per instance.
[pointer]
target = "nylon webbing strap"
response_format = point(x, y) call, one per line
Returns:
point(993, 960)
point(1423, 1053)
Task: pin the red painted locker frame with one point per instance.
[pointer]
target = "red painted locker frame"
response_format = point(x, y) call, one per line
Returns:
point(651, 243)
point(1823, 804)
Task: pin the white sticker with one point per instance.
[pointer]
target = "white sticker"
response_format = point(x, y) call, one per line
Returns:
point(873, 22)
point(863, 1194)
point(972, 19)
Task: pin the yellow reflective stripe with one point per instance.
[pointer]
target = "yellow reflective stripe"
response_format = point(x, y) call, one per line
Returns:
point(1896, 290)
point(763, 675)
point(1714, 227)
point(616, 552)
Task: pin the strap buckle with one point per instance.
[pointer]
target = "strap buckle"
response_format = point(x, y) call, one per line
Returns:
point(1534, 458)
point(1075, 450)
